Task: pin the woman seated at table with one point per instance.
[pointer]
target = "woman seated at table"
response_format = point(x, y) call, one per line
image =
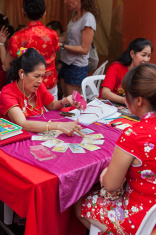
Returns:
point(133, 158)
point(27, 96)
point(138, 52)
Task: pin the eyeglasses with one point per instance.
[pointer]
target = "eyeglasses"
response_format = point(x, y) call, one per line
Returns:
point(92, 113)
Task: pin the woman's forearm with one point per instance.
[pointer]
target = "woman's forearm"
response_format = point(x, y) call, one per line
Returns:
point(108, 94)
point(3, 53)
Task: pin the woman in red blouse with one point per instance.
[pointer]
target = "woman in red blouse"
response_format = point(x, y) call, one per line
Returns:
point(134, 158)
point(27, 96)
point(138, 52)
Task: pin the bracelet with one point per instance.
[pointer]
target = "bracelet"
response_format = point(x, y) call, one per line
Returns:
point(61, 102)
point(1, 44)
point(62, 47)
point(47, 127)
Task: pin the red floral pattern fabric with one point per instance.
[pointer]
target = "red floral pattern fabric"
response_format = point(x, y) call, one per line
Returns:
point(44, 40)
point(123, 216)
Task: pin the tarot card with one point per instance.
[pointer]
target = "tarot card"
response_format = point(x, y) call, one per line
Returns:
point(94, 136)
point(123, 126)
point(87, 131)
point(89, 147)
point(94, 141)
point(76, 148)
point(62, 147)
point(41, 153)
point(53, 133)
point(52, 143)
point(41, 137)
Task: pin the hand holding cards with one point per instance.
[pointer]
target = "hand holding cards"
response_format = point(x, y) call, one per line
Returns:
point(78, 98)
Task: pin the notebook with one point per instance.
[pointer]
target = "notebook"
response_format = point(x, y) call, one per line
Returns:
point(8, 129)
point(95, 111)
point(24, 135)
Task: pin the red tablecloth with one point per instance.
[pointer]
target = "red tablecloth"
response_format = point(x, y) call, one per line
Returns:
point(33, 193)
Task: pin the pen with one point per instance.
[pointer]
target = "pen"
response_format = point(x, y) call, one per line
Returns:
point(112, 118)
point(97, 123)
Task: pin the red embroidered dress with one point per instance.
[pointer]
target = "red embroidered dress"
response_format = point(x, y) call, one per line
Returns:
point(125, 215)
point(44, 40)
point(12, 96)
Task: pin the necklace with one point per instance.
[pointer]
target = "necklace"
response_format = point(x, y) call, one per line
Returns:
point(31, 98)
point(29, 95)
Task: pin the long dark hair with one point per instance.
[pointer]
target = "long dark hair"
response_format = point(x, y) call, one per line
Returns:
point(136, 45)
point(27, 61)
point(141, 81)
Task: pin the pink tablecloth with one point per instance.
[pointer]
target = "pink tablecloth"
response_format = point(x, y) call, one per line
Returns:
point(76, 172)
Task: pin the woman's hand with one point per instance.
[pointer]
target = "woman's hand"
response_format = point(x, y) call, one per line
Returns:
point(74, 102)
point(102, 175)
point(69, 128)
point(3, 34)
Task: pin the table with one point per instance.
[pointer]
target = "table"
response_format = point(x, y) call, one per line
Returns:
point(33, 193)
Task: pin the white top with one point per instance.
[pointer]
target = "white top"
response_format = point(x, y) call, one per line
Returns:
point(74, 35)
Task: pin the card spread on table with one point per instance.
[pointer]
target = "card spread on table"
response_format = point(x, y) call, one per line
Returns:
point(95, 136)
point(76, 148)
point(87, 131)
point(41, 153)
point(62, 147)
point(92, 141)
point(52, 143)
point(89, 147)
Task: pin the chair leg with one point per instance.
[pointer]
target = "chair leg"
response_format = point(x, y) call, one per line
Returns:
point(94, 230)
point(8, 214)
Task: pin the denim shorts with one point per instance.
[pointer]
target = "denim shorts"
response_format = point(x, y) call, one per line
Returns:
point(73, 74)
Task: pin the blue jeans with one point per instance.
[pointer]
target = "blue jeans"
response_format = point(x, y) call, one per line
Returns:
point(73, 74)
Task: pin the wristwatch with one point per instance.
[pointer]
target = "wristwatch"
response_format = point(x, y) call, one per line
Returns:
point(62, 47)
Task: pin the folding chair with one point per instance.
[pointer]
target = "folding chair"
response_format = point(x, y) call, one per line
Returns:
point(101, 69)
point(91, 83)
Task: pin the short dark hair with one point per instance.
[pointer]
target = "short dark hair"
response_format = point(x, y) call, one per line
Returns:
point(34, 9)
point(141, 81)
point(136, 45)
point(3, 19)
point(10, 29)
point(27, 61)
point(54, 24)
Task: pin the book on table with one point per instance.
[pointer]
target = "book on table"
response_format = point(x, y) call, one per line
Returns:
point(8, 129)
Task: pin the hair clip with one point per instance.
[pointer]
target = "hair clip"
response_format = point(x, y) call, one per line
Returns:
point(21, 51)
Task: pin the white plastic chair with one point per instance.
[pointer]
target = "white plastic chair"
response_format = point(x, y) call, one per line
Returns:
point(148, 222)
point(101, 69)
point(91, 86)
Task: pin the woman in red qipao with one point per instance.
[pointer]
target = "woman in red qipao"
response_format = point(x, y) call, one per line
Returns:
point(138, 52)
point(133, 158)
point(27, 96)
point(39, 37)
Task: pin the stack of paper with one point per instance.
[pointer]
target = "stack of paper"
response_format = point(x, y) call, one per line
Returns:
point(95, 111)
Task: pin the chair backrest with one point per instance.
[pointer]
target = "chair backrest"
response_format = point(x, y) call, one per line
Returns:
point(101, 69)
point(148, 222)
point(93, 83)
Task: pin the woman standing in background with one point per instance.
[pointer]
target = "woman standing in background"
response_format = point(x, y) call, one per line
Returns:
point(75, 51)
